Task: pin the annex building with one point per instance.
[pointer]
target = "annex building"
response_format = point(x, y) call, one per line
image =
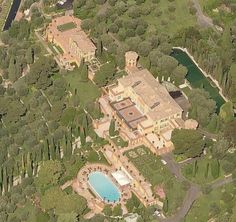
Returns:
point(66, 32)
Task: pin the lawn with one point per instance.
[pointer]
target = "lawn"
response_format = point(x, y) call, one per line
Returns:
point(202, 176)
point(96, 157)
point(4, 13)
point(119, 141)
point(66, 26)
point(86, 91)
point(151, 167)
point(212, 204)
point(170, 17)
point(186, 91)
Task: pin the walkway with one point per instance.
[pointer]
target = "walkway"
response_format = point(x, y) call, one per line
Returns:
point(202, 19)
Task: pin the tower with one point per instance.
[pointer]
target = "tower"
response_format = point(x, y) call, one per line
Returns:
point(130, 61)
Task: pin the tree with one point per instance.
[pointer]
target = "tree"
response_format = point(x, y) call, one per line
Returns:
point(99, 47)
point(227, 112)
point(112, 128)
point(215, 168)
point(187, 142)
point(41, 71)
point(49, 174)
point(29, 56)
point(230, 132)
point(195, 168)
point(84, 73)
point(178, 74)
point(105, 74)
point(167, 64)
point(202, 106)
point(220, 148)
point(166, 205)
point(117, 210)
point(144, 48)
point(107, 210)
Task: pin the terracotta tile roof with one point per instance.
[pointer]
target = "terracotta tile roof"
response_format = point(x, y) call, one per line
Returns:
point(76, 34)
point(152, 93)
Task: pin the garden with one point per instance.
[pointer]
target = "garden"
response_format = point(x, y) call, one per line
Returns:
point(151, 167)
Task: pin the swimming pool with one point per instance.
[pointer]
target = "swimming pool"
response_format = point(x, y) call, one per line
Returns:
point(103, 187)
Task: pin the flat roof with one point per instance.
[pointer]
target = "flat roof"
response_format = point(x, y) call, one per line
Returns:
point(121, 178)
point(128, 111)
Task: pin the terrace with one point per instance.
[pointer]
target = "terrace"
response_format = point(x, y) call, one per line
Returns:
point(128, 112)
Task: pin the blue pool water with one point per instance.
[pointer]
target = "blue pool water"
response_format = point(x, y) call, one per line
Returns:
point(103, 187)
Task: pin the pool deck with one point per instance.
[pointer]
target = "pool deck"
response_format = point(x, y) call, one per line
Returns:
point(82, 187)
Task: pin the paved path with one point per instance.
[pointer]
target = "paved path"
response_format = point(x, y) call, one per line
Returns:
point(202, 19)
point(173, 166)
point(194, 191)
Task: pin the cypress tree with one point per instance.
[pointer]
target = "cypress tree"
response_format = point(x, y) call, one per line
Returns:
point(58, 154)
point(85, 124)
point(82, 136)
point(165, 205)
point(215, 168)
point(64, 146)
point(207, 170)
point(84, 73)
point(45, 150)
point(69, 149)
point(52, 150)
point(5, 179)
point(29, 56)
point(112, 128)
point(195, 168)
point(99, 48)
point(10, 178)
point(29, 165)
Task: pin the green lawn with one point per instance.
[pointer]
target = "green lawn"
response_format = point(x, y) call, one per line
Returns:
point(86, 91)
point(168, 21)
point(156, 173)
point(4, 13)
point(186, 91)
point(119, 142)
point(201, 177)
point(212, 206)
point(66, 26)
point(96, 157)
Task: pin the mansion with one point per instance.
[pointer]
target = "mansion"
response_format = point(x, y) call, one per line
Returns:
point(143, 109)
point(66, 32)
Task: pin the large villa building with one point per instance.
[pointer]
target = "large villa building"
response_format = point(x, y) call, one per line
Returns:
point(143, 108)
point(66, 32)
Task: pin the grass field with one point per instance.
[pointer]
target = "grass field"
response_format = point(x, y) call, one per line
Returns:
point(156, 173)
point(170, 21)
point(66, 26)
point(208, 205)
point(200, 176)
point(86, 91)
point(5, 6)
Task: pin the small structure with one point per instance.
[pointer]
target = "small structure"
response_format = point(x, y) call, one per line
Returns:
point(121, 178)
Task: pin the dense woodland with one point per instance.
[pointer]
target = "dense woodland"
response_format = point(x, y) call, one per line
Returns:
point(42, 115)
